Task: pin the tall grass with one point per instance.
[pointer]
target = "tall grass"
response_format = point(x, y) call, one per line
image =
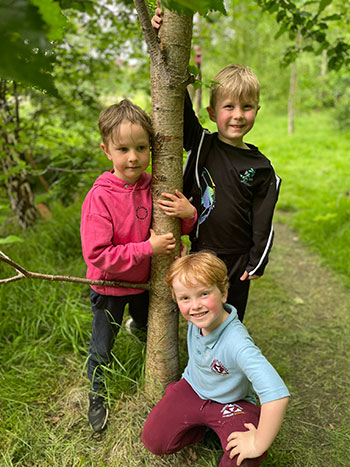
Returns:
point(45, 329)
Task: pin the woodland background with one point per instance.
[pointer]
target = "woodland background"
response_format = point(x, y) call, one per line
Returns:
point(50, 156)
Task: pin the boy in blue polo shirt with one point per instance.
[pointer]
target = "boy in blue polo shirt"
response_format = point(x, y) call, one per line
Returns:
point(224, 370)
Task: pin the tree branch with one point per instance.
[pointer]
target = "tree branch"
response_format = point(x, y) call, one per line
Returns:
point(148, 32)
point(60, 169)
point(24, 274)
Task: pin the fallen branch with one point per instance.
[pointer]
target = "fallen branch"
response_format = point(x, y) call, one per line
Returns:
point(24, 274)
point(59, 169)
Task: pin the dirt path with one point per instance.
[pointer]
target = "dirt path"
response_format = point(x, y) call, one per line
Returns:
point(306, 335)
point(306, 277)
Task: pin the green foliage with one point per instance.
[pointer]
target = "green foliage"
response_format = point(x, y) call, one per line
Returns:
point(26, 30)
point(335, 95)
point(193, 6)
point(52, 17)
point(310, 20)
point(60, 136)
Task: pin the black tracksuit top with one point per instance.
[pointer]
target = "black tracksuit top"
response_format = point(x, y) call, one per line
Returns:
point(234, 191)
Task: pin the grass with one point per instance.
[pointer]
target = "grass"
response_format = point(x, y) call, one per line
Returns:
point(297, 314)
point(313, 165)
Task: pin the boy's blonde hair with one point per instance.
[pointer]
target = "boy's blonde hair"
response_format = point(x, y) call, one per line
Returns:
point(236, 80)
point(202, 267)
point(111, 118)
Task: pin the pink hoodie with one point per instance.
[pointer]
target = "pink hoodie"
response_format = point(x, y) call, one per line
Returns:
point(115, 230)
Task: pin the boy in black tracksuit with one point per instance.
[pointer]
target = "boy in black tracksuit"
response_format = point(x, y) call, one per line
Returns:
point(233, 185)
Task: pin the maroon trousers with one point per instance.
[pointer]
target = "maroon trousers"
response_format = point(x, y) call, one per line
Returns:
point(180, 418)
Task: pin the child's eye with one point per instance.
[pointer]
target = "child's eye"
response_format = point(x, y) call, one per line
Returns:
point(122, 149)
point(141, 148)
point(205, 294)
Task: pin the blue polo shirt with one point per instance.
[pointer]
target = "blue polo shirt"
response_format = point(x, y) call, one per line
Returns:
point(226, 366)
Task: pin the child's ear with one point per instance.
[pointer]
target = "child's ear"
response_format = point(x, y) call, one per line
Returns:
point(211, 113)
point(105, 150)
point(224, 296)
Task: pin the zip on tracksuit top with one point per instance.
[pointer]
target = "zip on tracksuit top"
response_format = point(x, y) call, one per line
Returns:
point(115, 231)
point(234, 191)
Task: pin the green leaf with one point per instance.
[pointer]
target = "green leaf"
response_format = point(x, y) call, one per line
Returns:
point(308, 48)
point(52, 16)
point(280, 16)
point(281, 31)
point(336, 62)
point(193, 70)
point(10, 239)
point(323, 4)
point(334, 17)
point(25, 53)
point(193, 6)
point(197, 84)
point(79, 5)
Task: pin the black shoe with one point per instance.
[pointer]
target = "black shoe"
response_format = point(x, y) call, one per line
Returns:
point(133, 328)
point(98, 413)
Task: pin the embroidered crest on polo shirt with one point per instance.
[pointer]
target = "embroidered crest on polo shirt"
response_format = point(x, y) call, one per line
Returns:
point(247, 176)
point(229, 410)
point(141, 213)
point(218, 368)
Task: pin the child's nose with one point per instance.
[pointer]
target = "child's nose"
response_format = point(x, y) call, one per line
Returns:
point(238, 112)
point(196, 304)
point(132, 155)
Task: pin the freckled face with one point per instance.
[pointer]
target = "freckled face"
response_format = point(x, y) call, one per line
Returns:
point(201, 305)
point(234, 119)
point(129, 152)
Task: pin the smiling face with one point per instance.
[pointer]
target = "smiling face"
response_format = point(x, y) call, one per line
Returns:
point(200, 304)
point(129, 151)
point(234, 118)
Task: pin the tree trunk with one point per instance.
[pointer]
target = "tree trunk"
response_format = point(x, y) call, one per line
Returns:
point(17, 183)
point(169, 78)
point(291, 97)
point(292, 89)
point(198, 61)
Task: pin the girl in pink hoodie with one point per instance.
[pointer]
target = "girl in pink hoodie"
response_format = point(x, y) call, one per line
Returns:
point(117, 239)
